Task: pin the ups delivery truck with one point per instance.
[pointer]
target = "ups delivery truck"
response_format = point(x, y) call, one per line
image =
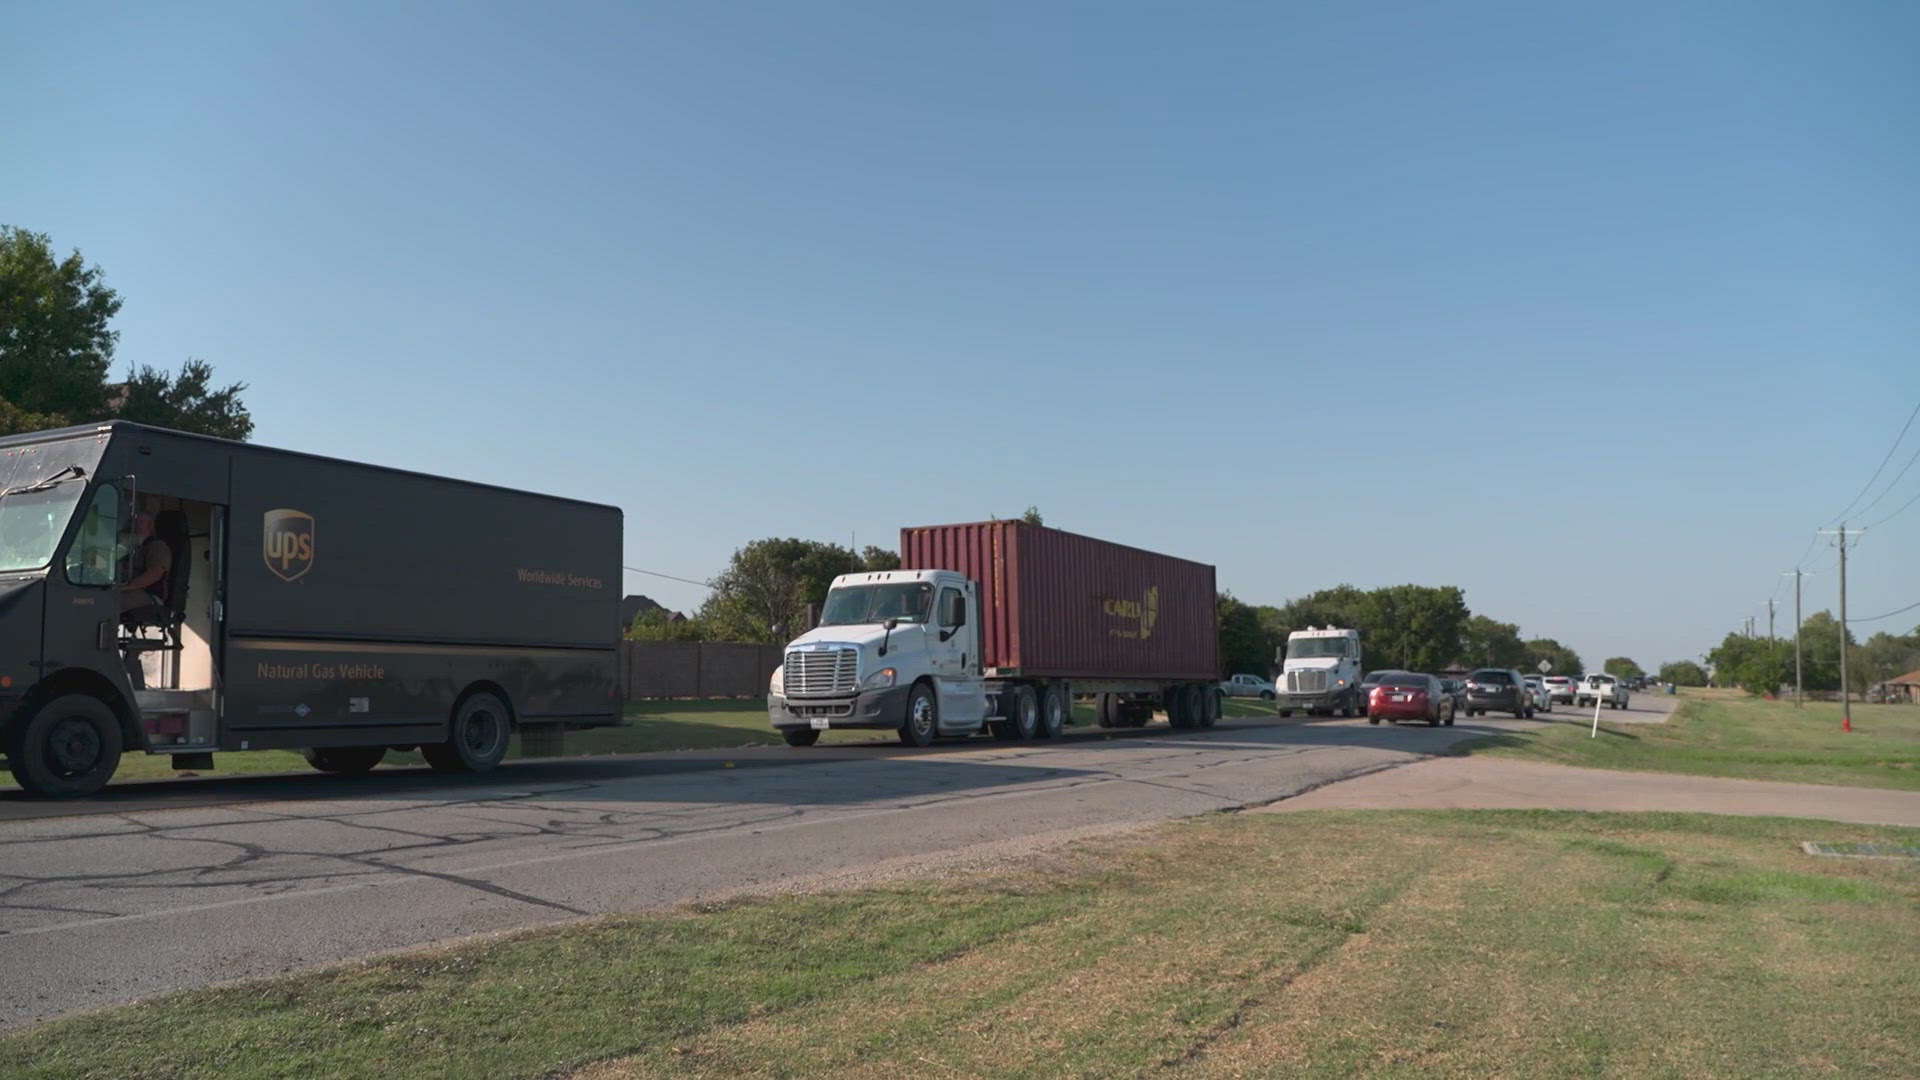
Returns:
point(177, 594)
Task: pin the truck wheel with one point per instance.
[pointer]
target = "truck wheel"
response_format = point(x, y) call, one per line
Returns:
point(1267, 695)
point(923, 717)
point(1210, 715)
point(1179, 707)
point(351, 760)
point(800, 736)
point(479, 737)
point(1023, 717)
point(1106, 710)
point(1286, 712)
point(1053, 713)
point(69, 746)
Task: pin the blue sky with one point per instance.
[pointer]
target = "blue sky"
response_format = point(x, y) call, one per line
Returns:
point(1594, 310)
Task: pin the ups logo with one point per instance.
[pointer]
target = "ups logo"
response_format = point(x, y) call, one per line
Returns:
point(286, 542)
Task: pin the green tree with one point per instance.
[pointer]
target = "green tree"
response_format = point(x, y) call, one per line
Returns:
point(56, 350)
point(659, 624)
point(1032, 516)
point(1341, 606)
point(1820, 649)
point(1244, 645)
point(1755, 664)
point(763, 594)
point(1621, 667)
point(55, 347)
point(1415, 627)
point(1488, 642)
point(1888, 656)
point(1683, 673)
point(1564, 660)
point(185, 402)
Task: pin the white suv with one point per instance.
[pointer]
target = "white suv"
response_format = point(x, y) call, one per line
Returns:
point(1601, 688)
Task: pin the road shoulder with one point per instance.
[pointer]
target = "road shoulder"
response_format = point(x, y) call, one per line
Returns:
point(1480, 783)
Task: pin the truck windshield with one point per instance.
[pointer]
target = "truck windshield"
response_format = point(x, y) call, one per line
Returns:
point(39, 487)
point(1315, 647)
point(856, 604)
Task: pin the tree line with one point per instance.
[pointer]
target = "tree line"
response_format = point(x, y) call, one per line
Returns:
point(56, 354)
point(1765, 666)
point(1409, 627)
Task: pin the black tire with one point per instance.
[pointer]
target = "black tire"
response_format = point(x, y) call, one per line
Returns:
point(800, 736)
point(1374, 720)
point(477, 739)
point(1054, 704)
point(1267, 695)
point(69, 746)
point(922, 721)
point(1023, 715)
point(346, 760)
point(1210, 711)
point(1449, 720)
point(1106, 710)
point(1179, 702)
point(1286, 713)
point(1434, 720)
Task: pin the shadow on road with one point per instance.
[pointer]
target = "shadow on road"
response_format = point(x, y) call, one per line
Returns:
point(919, 772)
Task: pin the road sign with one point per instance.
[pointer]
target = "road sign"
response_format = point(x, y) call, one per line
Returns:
point(1545, 666)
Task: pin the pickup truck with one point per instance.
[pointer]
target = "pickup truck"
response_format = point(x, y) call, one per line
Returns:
point(1601, 688)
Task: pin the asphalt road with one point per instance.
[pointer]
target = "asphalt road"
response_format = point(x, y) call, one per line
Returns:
point(161, 887)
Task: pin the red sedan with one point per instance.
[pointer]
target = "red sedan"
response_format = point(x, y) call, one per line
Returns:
point(1407, 695)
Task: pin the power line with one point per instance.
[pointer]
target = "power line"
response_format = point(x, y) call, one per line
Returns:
point(1890, 614)
point(1893, 483)
point(669, 577)
point(1896, 513)
point(1883, 464)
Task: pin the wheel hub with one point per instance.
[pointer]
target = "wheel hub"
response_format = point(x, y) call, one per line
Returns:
point(73, 747)
point(482, 729)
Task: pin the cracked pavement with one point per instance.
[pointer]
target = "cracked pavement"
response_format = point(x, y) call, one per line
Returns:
point(169, 886)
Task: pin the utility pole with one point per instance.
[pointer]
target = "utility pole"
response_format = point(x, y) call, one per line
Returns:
point(1799, 691)
point(1769, 622)
point(1846, 696)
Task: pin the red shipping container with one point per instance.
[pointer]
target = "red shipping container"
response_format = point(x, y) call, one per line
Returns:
point(1056, 604)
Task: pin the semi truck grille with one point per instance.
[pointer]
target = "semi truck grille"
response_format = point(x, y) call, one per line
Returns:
point(811, 672)
point(1307, 682)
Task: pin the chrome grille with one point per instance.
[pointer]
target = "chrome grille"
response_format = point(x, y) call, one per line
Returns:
point(1307, 682)
point(816, 672)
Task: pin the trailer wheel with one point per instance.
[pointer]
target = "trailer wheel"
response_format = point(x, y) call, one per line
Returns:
point(69, 746)
point(480, 731)
point(922, 719)
point(1210, 711)
point(1179, 706)
point(800, 736)
point(345, 759)
point(1106, 710)
point(1023, 715)
point(1053, 713)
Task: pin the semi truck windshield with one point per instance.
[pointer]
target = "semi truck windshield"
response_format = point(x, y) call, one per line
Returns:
point(1315, 647)
point(858, 604)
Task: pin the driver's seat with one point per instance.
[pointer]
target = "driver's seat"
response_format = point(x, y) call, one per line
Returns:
point(170, 611)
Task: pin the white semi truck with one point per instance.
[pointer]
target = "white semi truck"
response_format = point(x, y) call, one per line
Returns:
point(1320, 673)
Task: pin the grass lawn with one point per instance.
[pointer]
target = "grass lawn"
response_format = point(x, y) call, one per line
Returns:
point(650, 725)
point(1727, 733)
point(1444, 943)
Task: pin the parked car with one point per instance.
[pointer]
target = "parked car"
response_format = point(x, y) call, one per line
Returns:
point(1602, 689)
point(1409, 695)
point(1542, 700)
point(1498, 690)
point(1457, 690)
point(1370, 680)
point(1247, 686)
point(1560, 688)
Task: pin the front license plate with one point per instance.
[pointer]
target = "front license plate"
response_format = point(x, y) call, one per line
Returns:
point(819, 723)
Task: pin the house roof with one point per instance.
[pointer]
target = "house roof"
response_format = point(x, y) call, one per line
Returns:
point(1911, 678)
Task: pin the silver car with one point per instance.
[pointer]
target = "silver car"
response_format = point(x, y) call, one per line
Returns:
point(1542, 697)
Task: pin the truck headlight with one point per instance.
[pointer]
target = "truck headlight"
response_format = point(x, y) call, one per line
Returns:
point(879, 680)
point(776, 686)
